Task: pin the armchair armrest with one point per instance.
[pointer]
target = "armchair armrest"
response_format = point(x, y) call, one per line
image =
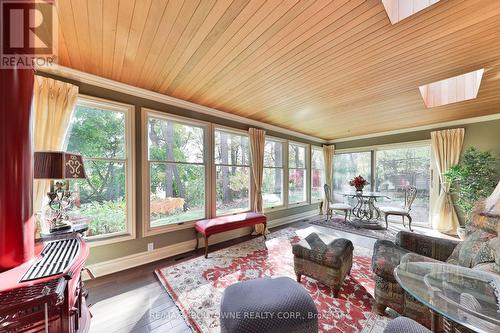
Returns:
point(432, 247)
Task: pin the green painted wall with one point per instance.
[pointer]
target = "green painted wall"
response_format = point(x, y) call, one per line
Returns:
point(121, 249)
point(483, 135)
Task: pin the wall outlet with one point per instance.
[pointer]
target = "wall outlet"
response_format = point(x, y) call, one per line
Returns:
point(151, 247)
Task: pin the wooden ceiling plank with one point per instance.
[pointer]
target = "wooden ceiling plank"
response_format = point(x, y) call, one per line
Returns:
point(292, 39)
point(417, 69)
point(126, 10)
point(261, 41)
point(95, 23)
point(219, 19)
point(181, 23)
point(375, 43)
point(212, 46)
point(110, 17)
point(321, 86)
point(137, 27)
point(171, 13)
point(336, 34)
point(206, 15)
point(248, 37)
point(228, 47)
point(67, 28)
point(380, 56)
point(148, 34)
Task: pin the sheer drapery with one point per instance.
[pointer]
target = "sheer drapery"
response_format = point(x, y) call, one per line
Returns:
point(446, 146)
point(257, 142)
point(53, 103)
point(328, 152)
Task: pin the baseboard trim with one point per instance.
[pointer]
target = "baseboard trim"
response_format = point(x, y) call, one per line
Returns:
point(141, 258)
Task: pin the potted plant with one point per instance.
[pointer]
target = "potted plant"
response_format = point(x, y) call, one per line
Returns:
point(359, 183)
point(473, 178)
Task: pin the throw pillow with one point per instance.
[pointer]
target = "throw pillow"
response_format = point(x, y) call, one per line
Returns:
point(473, 250)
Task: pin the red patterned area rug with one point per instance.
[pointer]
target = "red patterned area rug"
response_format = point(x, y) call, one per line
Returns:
point(197, 285)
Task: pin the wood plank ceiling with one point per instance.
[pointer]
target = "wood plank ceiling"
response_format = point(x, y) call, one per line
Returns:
point(327, 68)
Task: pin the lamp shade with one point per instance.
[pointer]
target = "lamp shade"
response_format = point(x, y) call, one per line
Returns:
point(58, 165)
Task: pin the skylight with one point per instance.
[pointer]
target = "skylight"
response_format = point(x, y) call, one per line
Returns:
point(398, 10)
point(455, 89)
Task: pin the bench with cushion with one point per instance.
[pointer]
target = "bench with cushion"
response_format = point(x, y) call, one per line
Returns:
point(217, 225)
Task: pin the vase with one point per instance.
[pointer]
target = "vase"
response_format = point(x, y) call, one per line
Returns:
point(359, 189)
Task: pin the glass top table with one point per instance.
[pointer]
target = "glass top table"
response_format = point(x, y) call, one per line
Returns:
point(468, 297)
point(366, 214)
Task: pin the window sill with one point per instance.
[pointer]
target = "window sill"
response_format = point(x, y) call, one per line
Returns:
point(148, 231)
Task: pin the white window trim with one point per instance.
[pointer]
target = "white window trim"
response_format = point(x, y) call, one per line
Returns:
point(130, 184)
point(284, 178)
point(434, 181)
point(320, 149)
point(213, 203)
point(307, 169)
point(147, 230)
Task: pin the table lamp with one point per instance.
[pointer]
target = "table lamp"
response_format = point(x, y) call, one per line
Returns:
point(56, 166)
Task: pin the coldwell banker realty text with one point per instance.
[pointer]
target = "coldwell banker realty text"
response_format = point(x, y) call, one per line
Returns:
point(29, 33)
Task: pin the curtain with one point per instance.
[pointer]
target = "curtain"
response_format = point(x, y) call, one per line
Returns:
point(53, 103)
point(446, 146)
point(257, 142)
point(328, 152)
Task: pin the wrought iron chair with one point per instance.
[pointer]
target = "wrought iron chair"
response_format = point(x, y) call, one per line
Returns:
point(410, 195)
point(335, 206)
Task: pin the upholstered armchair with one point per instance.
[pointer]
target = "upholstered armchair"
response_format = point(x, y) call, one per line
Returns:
point(479, 250)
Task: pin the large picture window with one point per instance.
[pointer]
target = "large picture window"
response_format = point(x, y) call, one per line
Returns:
point(272, 183)
point(297, 173)
point(101, 133)
point(317, 174)
point(398, 168)
point(176, 158)
point(347, 166)
point(232, 169)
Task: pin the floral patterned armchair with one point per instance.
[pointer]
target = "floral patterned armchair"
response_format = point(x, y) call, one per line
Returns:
point(479, 250)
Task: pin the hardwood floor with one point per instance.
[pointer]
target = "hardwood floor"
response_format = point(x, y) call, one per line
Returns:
point(135, 301)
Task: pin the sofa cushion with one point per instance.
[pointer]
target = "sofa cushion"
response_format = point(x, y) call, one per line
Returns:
point(473, 250)
point(386, 256)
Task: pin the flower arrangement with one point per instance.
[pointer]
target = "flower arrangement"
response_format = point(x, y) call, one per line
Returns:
point(358, 182)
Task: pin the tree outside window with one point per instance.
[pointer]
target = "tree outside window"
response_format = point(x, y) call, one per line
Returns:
point(99, 135)
point(232, 167)
point(297, 173)
point(272, 183)
point(176, 157)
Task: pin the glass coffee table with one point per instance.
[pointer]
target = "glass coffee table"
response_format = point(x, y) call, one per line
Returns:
point(469, 298)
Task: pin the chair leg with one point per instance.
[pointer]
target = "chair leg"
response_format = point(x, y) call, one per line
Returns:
point(345, 216)
point(206, 247)
point(264, 232)
point(404, 225)
point(409, 222)
point(386, 222)
point(197, 240)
